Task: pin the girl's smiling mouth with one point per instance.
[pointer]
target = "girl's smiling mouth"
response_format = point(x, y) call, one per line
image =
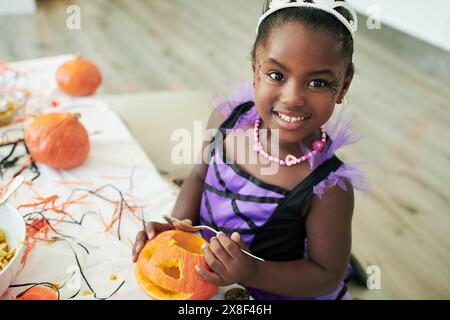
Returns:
point(290, 121)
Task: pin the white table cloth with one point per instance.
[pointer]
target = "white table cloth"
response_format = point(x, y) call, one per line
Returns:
point(115, 158)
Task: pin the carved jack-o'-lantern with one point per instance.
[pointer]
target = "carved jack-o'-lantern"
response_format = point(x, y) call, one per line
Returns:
point(165, 267)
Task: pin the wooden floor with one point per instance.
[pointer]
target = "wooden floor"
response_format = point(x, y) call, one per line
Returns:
point(402, 226)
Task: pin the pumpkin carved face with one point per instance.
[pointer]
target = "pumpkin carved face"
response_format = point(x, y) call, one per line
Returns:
point(165, 267)
point(58, 140)
point(78, 77)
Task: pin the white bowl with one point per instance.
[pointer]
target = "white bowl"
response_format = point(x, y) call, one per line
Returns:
point(14, 227)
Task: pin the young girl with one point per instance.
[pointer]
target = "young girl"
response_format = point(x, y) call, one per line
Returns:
point(297, 217)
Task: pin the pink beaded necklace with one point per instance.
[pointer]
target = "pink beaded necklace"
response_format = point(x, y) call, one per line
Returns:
point(290, 160)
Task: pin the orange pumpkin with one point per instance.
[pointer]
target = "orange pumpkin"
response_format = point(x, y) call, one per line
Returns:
point(165, 267)
point(38, 293)
point(58, 140)
point(78, 77)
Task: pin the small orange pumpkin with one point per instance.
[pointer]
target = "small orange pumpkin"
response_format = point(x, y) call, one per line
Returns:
point(165, 267)
point(38, 293)
point(58, 140)
point(78, 77)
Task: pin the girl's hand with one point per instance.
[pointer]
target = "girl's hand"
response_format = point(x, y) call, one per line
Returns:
point(228, 263)
point(152, 229)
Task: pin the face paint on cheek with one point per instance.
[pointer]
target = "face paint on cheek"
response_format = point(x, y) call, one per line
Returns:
point(333, 95)
point(334, 86)
point(258, 72)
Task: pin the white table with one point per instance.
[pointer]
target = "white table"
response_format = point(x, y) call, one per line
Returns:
point(116, 159)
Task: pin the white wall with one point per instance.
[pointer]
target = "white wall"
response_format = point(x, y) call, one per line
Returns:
point(9, 7)
point(428, 20)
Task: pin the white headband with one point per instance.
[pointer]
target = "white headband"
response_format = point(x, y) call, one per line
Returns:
point(324, 5)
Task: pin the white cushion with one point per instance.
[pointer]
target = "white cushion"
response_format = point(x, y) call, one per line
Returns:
point(153, 118)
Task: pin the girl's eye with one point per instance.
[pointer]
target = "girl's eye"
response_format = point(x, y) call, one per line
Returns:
point(319, 83)
point(276, 76)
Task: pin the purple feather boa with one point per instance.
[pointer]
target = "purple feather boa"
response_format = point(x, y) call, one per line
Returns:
point(340, 129)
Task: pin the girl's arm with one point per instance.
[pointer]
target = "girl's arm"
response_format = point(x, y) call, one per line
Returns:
point(187, 205)
point(328, 228)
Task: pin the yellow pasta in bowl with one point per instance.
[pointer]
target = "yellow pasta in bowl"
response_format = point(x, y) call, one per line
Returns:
point(12, 244)
point(6, 253)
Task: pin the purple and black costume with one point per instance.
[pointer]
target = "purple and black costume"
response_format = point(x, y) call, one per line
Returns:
point(267, 216)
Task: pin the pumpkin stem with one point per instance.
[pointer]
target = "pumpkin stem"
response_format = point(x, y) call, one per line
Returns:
point(76, 115)
point(78, 56)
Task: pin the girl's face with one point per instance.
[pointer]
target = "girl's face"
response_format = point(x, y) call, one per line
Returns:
point(299, 76)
